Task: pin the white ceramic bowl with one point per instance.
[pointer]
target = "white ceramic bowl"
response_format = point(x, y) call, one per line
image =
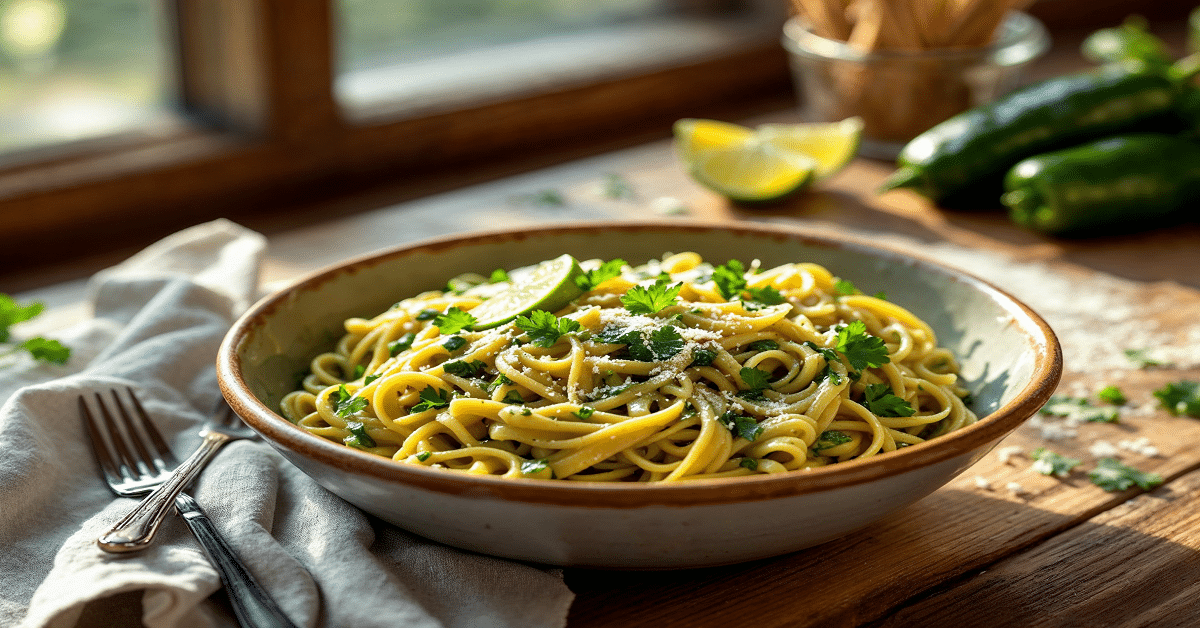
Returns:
point(1010, 360)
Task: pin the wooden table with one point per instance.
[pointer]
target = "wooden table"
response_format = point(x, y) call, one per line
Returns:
point(1057, 552)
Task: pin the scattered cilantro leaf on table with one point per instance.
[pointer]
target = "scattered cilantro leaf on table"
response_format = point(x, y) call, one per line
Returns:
point(43, 349)
point(1111, 475)
point(544, 329)
point(1113, 395)
point(1048, 462)
point(1180, 398)
point(1141, 358)
point(1079, 409)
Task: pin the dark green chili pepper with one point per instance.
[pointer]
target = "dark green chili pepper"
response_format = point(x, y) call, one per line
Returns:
point(961, 162)
point(1112, 186)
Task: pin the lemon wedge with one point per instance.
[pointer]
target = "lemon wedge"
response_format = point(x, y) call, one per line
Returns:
point(549, 286)
point(764, 164)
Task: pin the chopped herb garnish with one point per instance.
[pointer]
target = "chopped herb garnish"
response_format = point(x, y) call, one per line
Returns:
point(346, 403)
point(592, 278)
point(618, 188)
point(844, 287)
point(432, 398)
point(651, 299)
point(501, 380)
point(742, 426)
point(830, 374)
point(1113, 395)
point(830, 355)
point(1079, 409)
point(767, 295)
point(1111, 475)
point(730, 279)
point(830, 439)
point(533, 467)
point(749, 463)
point(454, 343)
point(424, 455)
point(359, 369)
point(544, 329)
point(703, 357)
point(756, 380)
point(1141, 358)
point(464, 368)
point(498, 276)
point(661, 344)
point(584, 412)
point(454, 321)
point(1048, 462)
point(403, 343)
point(878, 398)
point(861, 349)
point(763, 345)
point(369, 379)
point(358, 435)
point(881, 295)
point(40, 348)
point(427, 315)
point(1180, 398)
point(513, 397)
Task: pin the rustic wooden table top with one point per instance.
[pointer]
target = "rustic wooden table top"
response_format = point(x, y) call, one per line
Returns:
point(1000, 546)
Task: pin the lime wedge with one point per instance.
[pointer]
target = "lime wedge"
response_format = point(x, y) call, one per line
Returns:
point(753, 172)
point(831, 144)
point(550, 286)
point(694, 136)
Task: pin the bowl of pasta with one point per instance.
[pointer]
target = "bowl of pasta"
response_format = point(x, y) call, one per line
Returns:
point(625, 395)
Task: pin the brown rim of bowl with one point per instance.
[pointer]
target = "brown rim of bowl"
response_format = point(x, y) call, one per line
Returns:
point(988, 430)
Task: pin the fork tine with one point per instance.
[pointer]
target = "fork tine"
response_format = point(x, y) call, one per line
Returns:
point(163, 457)
point(100, 444)
point(127, 462)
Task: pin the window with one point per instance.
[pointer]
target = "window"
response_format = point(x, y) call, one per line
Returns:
point(206, 108)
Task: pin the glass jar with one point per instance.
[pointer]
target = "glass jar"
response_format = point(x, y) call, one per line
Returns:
point(900, 94)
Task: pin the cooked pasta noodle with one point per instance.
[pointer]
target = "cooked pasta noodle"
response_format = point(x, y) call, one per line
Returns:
point(744, 371)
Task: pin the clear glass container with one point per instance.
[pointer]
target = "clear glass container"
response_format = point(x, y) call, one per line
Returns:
point(900, 94)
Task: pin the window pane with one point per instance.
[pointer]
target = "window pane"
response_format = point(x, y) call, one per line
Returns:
point(432, 53)
point(78, 69)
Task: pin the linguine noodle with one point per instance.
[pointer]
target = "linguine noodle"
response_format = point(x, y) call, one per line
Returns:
point(744, 371)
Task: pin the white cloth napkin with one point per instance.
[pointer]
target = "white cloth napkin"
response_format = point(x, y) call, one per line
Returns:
point(158, 319)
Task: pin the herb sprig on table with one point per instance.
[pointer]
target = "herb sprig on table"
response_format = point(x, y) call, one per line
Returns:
point(40, 348)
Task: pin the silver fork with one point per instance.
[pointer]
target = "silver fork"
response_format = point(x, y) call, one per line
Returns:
point(135, 459)
point(136, 530)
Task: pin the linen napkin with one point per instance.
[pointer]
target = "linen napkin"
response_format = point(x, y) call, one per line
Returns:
point(157, 321)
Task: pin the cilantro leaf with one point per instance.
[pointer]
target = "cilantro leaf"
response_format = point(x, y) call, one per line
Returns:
point(369, 379)
point(403, 343)
point(454, 321)
point(649, 300)
point(544, 329)
point(427, 315)
point(844, 287)
point(501, 380)
point(763, 345)
point(12, 313)
point(592, 278)
point(584, 412)
point(1079, 409)
point(358, 437)
point(1182, 397)
point(1048, 462)
point(359, 369)
point(878, 398)
point(513, 397)
point(830, 439)
point(47, 350)
point(703, 357)
point(424, 455)
point(861, 349)
point(464, 368)
point(618, 188)
point(1113, 395)
point(730, 279)
point(757, 381)
point(534, 467)
point(742, 426)
point(431, 398)
point(454, 343)
point(829, 354)
point(1111, 475)
point(665, 342)
point(749, 463)
point(346, 404)
point(498, 276)
point(767, 295)
point(1141, 358)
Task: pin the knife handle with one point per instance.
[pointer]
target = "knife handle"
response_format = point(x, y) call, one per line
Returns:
point(251, 603)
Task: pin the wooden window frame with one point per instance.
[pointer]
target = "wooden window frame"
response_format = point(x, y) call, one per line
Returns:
point(264, 132)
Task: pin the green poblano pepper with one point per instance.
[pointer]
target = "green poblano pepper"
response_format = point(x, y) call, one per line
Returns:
point(1113, 186)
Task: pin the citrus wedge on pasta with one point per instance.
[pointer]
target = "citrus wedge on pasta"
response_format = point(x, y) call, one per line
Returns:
point(549, 286)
